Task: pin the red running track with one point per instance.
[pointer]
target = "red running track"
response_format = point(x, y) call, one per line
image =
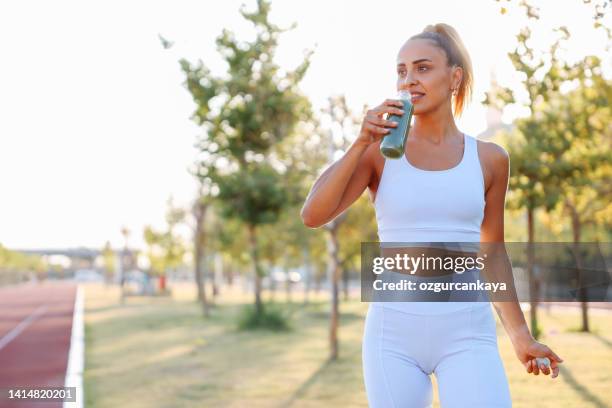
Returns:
point(35, 331)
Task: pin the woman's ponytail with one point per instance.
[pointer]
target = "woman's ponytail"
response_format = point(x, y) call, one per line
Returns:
point(447, 38)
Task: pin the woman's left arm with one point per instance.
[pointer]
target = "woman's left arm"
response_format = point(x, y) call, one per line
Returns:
point(527, 349)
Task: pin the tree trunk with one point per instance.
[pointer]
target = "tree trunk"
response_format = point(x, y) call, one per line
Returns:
point(229, 274)
point(200, 240)
point(218, 273)
point(257, 273)
point(576, 232)
point(333, 273)
point(318, 279)
point(307, 274)
point(345, 283)
point(287, 280)
point(272, 281)
point(213, 276)
point(533, 295)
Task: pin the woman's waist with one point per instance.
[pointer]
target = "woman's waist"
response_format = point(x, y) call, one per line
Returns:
point(417, 234)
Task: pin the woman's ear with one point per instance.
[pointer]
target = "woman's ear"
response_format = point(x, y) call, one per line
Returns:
point(457, 76)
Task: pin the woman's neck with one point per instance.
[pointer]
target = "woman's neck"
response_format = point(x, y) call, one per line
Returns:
point(436, 127)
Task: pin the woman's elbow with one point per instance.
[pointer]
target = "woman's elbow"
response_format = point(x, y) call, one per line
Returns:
point(308, 219)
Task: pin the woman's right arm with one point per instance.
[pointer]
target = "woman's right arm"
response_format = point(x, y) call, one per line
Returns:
point(345, 180)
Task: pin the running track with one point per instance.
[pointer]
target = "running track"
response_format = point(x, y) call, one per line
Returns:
point(35, 332)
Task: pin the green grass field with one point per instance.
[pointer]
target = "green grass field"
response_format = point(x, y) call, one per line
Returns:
point(161, 352)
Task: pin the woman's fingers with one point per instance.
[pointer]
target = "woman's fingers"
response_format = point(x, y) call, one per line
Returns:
point(554, 363)
point(554, 356)
point(555, 369)
point(381, 122)
point(390, 109)
point(393, 102)
point(543, 364)
point(536, 369)
point(374, 126)
point(545, 368)
point(379, 130)
point(548, 362)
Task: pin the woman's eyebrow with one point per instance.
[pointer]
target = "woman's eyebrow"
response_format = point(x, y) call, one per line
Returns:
point(401, 64)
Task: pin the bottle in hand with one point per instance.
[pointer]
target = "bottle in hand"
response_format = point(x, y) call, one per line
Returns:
point(392, 145)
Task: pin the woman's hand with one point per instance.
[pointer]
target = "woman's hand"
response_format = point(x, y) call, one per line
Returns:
point(374, 127)
point(528, 349)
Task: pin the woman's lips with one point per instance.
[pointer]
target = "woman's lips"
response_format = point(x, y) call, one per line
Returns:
point(416, 96)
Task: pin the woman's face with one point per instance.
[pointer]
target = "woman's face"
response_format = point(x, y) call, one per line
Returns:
point(422, 69)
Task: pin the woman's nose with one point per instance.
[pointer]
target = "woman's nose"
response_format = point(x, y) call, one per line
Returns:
point(407, 81)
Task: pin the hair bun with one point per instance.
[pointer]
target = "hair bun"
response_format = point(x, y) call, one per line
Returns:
point(442, 29)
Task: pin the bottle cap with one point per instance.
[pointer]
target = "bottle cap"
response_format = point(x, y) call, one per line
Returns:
point(403, 94)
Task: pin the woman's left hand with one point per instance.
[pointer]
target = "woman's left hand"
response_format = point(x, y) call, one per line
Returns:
point(528, 349)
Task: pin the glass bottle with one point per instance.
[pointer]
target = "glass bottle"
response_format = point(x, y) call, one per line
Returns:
point(392, 145)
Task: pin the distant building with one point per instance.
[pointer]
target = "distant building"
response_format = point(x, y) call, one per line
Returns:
point(494, 117)
point(86, 258)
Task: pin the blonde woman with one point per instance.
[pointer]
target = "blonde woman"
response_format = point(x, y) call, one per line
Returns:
point(447, 187)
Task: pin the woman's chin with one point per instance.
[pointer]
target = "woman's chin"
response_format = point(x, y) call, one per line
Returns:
point(422, 109)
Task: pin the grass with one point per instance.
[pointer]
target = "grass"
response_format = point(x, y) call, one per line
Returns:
point(160, 352)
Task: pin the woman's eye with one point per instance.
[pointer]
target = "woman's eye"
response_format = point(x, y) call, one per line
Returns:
point(422, 68)
point(401, 73)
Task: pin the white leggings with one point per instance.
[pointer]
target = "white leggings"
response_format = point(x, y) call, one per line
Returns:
point(459, 345)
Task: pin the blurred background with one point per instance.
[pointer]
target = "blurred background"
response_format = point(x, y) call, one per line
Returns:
point(155, 158)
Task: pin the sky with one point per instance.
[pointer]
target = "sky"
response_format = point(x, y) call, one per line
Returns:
point(95, 129)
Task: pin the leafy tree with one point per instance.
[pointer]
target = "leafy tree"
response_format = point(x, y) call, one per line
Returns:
point(583, 117)
point(542, 144)
point(166, 249)
point(16, 267)
point(256, 107)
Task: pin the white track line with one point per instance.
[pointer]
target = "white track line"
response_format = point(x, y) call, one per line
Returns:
point(76, 356)
point(22, 326)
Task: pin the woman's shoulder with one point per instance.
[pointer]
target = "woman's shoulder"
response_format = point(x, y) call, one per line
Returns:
point(495, 161)
point(491, 152)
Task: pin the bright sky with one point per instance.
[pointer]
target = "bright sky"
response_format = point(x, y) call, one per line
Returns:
point(95, 130)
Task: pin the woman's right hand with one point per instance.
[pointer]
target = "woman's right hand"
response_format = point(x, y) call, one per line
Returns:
point(374, 127)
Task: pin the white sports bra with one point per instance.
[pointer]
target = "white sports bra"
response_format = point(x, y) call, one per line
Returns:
point(416, 205)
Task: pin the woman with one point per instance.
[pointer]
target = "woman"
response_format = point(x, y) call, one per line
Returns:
point(448, 187)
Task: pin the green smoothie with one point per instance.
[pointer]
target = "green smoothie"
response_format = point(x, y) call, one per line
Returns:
point(392, 145)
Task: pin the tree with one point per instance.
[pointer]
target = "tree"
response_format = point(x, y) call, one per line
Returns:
point(255, 197)
point(258, 106)
point(343, 124)
point(166, 249)
point(16, 266)
point(303, 154)
point(200, 207)
point(109, 258)
point(583, 117)
point(540, 173)
point(203, 89)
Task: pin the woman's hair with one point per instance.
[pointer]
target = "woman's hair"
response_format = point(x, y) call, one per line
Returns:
point(445, 37)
